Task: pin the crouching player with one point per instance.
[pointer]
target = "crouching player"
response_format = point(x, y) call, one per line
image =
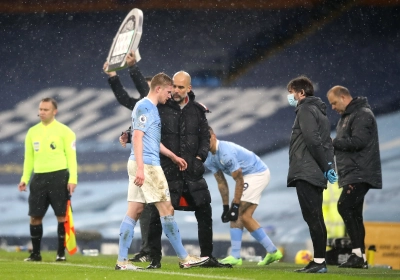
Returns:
point(251, 176)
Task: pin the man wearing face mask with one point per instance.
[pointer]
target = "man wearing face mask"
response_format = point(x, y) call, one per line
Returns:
point(310, 163)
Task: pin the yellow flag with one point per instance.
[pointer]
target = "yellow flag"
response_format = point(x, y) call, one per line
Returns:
point(70, 240)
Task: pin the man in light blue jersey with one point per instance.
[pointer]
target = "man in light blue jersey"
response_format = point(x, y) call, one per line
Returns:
point(147, 182)
point(251, 176)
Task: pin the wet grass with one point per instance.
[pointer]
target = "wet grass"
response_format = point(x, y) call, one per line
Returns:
point(80, 267)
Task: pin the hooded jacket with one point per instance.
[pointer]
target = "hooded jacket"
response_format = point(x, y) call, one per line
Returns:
point(311, 151)
point(357, 146)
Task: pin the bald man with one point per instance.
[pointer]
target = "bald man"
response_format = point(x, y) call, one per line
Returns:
point(358, 161)
point(184, 131)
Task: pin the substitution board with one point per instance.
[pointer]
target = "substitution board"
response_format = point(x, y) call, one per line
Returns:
point(126, 40)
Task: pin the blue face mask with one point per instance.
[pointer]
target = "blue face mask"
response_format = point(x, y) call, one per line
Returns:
point(292, 101)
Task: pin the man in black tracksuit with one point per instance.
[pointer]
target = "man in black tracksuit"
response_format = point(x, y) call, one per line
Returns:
point(184, 131)
point(310, 163)
point(359, 165)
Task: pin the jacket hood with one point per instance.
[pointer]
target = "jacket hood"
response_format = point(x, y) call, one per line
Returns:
point(191, 95)
point(356, 103)
point(312, 100)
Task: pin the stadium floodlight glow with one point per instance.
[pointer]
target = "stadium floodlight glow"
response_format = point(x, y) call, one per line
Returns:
point(127, 39)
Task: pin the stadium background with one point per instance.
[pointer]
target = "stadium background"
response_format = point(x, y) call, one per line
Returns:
point(241, 54)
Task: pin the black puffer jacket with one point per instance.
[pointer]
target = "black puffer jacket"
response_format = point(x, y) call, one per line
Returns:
point(185, 132)
point(311, 148)
point(357, 146)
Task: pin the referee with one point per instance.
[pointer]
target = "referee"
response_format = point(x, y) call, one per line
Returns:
point(51, 155)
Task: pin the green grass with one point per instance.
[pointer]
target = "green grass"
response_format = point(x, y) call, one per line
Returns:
point(101, 267)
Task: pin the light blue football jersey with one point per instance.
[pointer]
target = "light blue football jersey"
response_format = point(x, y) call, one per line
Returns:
point(145, 117)
point(229, 157)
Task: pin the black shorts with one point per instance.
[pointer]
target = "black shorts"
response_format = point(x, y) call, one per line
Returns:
point(48, 189)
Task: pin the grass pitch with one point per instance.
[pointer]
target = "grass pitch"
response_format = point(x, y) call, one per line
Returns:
point(101, 267)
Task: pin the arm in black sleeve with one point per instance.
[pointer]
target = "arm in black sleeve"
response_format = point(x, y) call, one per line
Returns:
point(312, 137)
point(204, 136)
point(140, 82)
point(120, 93)
point(362, 129)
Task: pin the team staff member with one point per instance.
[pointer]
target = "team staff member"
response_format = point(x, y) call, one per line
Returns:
point(310, 163)
point(359, 165)
point(50, 154)
point(142, 85)
point(252, 177)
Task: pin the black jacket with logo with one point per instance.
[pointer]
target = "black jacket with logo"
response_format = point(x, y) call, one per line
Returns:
point(357, 146)
point(311, 151)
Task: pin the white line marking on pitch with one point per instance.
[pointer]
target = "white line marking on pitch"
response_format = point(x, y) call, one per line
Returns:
point(150, 271)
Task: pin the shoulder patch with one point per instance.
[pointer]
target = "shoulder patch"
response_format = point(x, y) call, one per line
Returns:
point(73, 145)
point(142, 119)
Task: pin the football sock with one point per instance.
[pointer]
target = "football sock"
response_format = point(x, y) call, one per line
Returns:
point(36, 237)
point(126, 231)
point(171, 230)
point(236, 242)
point(319, 260)
point(364, 257)
point(61, 239)
point(357, 251)
point(264, 240)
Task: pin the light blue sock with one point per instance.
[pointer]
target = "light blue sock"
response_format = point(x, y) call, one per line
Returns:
point(263, 238)
point(171, 230)
point(236, 242)
point(126, 230)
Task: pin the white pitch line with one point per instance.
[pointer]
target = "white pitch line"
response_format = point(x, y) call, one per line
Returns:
point(149, 271)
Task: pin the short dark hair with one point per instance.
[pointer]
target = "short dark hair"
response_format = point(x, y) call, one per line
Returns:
point(339, 90)
point(161, 79)
point(52, 100)
point(301, 83)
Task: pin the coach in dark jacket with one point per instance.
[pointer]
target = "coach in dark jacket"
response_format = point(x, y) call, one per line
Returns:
point(359, 165)
point(310, 163)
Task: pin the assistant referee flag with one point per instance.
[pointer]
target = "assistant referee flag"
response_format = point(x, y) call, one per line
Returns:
point(70, 239)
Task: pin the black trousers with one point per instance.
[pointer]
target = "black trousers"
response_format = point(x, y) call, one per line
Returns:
point(350, 207)
point(144, 228)
point(310, 200)
point(205, 233)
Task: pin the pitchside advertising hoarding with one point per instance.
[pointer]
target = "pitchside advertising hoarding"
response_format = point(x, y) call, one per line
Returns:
point(260, 119)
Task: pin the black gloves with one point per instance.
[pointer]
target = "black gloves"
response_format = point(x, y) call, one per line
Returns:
point(224, 216)
point(233, 213)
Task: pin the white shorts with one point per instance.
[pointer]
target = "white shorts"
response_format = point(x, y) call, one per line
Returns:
point(254, 184)
point(154, 188)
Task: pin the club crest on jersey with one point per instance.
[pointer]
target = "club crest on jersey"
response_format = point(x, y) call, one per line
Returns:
point(36, 146)
point(143, 119)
